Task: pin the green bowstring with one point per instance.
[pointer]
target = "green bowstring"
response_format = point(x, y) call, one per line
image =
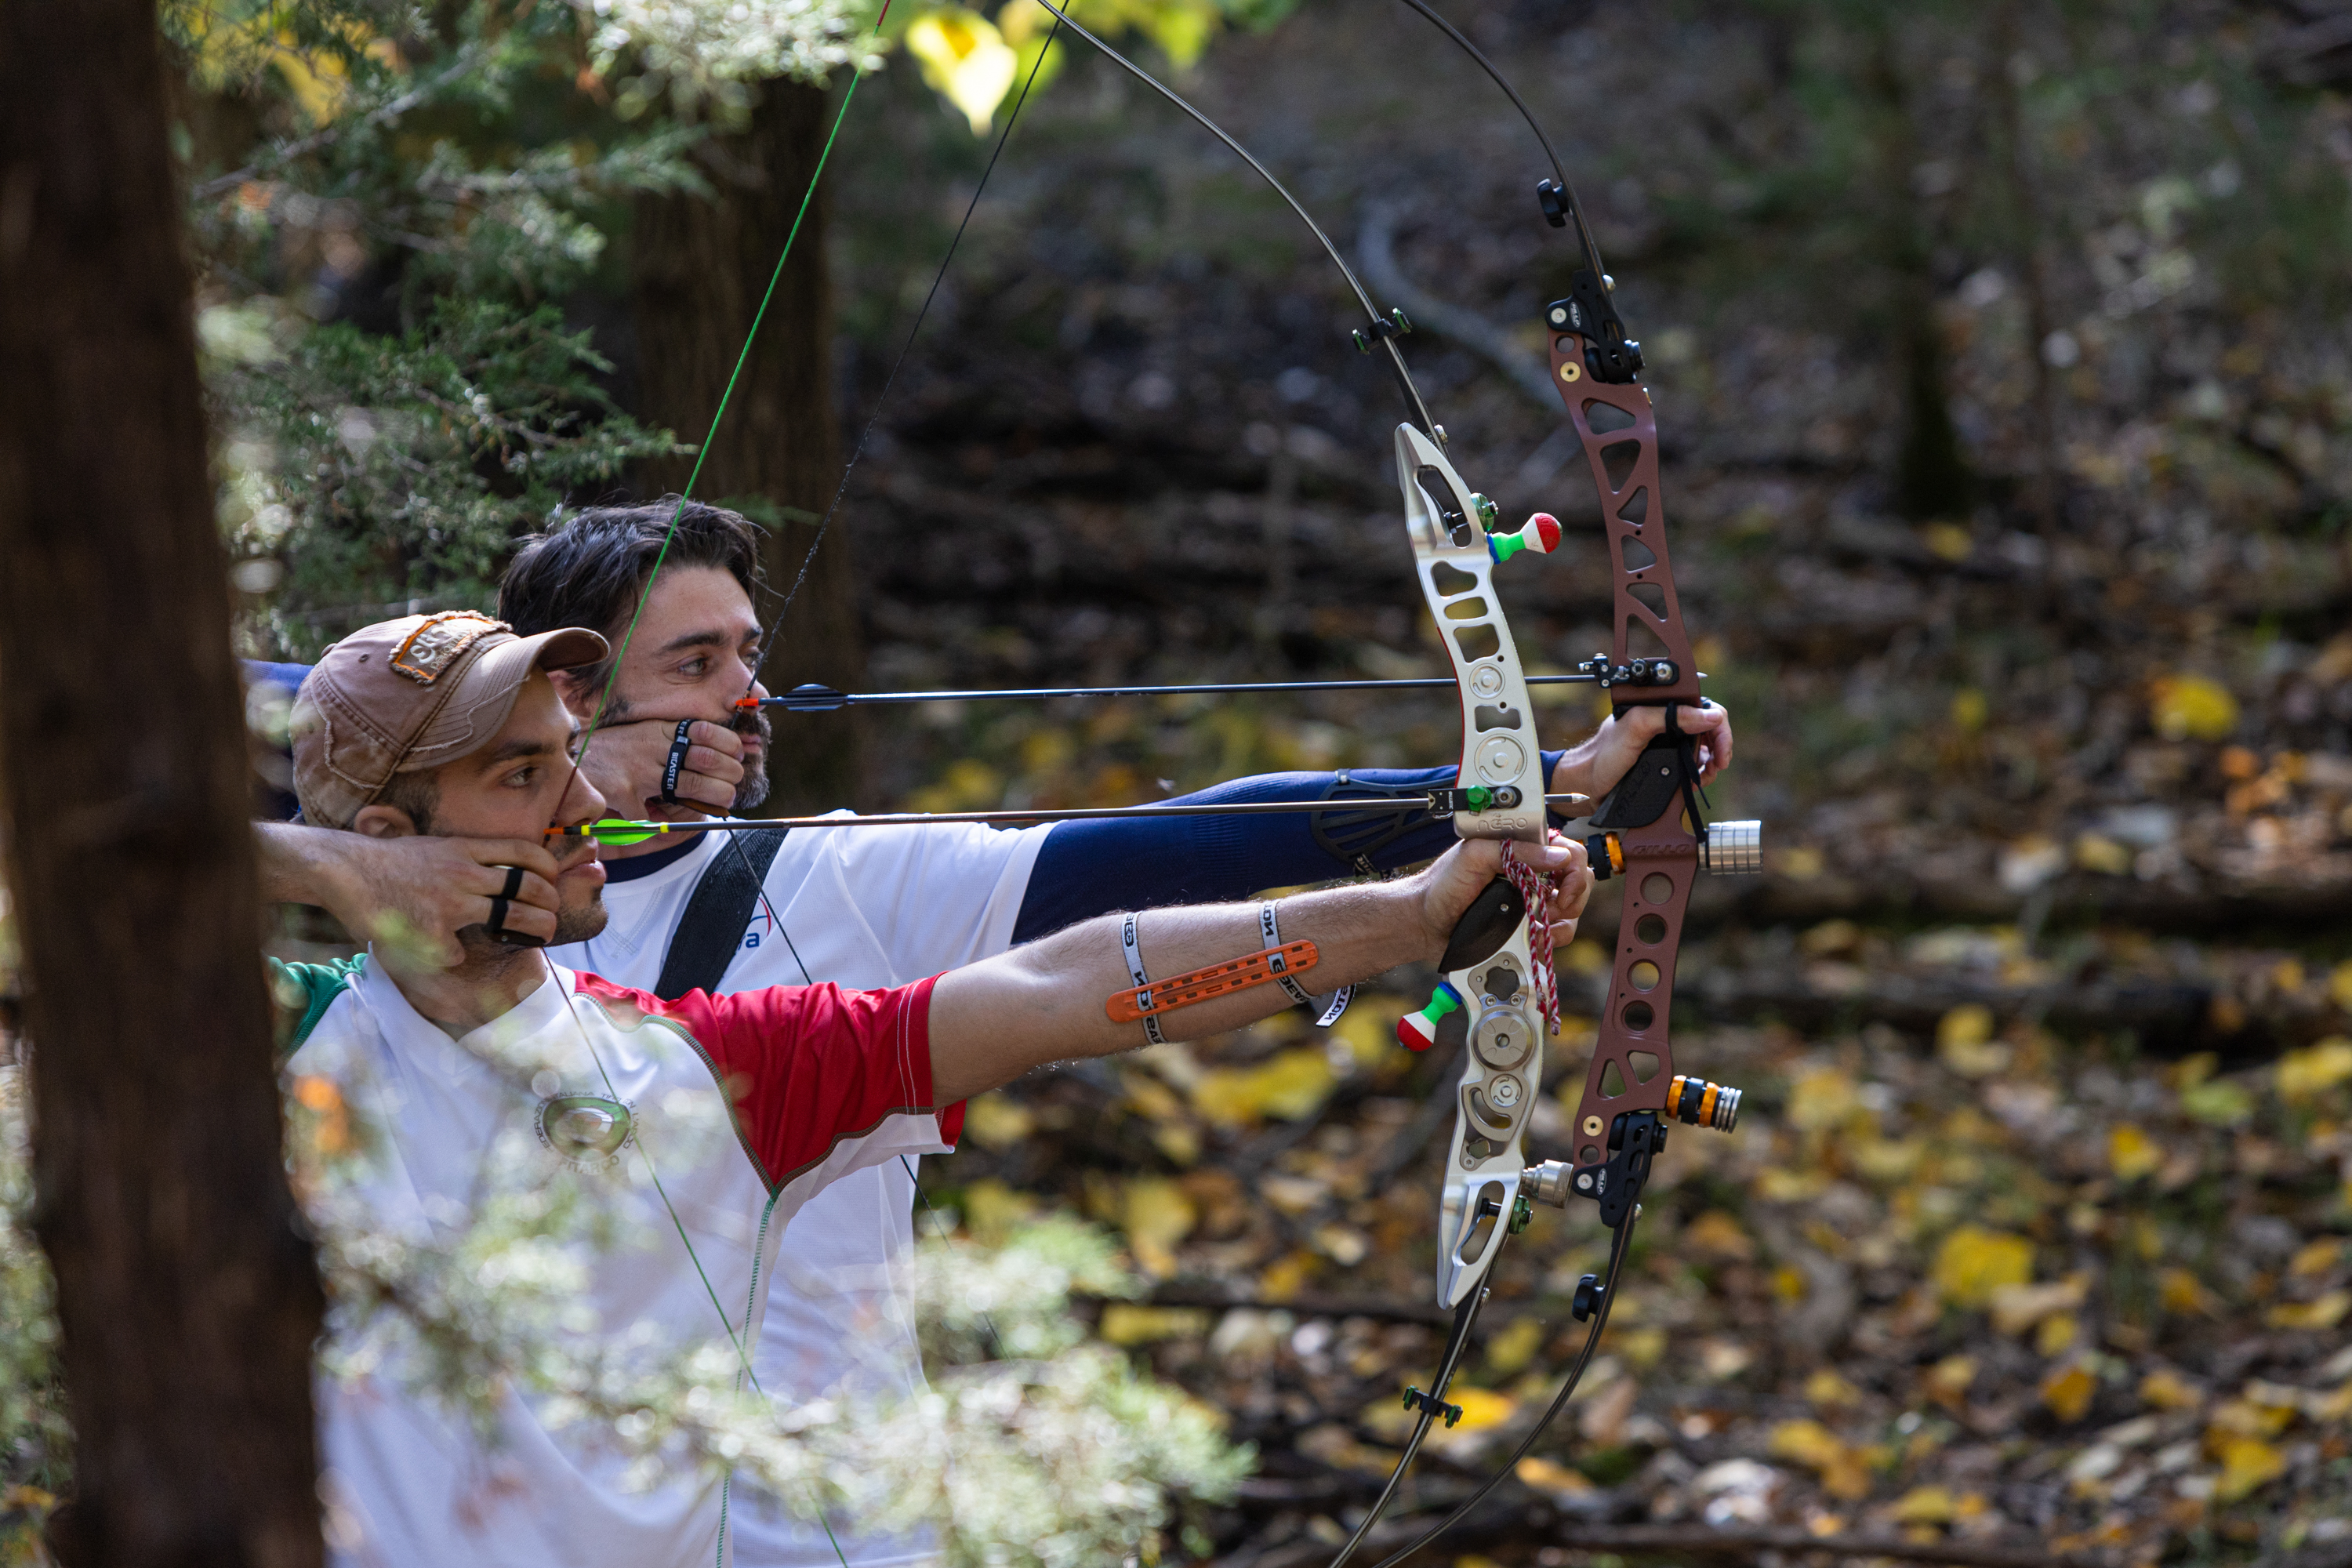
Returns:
point(612, 679)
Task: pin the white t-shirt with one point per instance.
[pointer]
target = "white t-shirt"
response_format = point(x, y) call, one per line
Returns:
point(865, 908)
point(700, 1127)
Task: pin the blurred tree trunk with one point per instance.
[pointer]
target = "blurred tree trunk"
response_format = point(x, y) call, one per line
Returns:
point(1932, 476)
point(2033, 272)
point(700, 268)
point(189, 1301)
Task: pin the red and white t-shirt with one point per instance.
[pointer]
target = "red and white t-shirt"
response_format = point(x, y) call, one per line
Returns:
point(698, 1126)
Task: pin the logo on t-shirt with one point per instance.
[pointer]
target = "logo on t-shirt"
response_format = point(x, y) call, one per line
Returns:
point(584, 1130)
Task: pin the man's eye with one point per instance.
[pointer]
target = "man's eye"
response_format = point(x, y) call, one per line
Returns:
point(695, 666)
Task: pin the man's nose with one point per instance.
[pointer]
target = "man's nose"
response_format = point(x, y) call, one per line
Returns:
point(582, 800)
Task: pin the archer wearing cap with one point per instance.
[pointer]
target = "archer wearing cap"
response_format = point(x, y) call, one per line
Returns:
point(698, 1126)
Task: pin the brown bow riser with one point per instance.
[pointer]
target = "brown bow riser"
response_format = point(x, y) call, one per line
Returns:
point(1661, 857)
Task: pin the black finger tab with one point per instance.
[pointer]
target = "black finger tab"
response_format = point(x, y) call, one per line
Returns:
point(676, 764)
point(1484, 927)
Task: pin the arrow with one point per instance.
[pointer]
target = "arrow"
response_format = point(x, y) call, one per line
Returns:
point(617, 831)
point(814, 697)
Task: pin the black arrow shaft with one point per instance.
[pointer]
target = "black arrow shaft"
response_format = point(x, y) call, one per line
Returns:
point(815, 699)
point(1342, 804)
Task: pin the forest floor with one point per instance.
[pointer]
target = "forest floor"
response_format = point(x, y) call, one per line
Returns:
point(2031, 1239)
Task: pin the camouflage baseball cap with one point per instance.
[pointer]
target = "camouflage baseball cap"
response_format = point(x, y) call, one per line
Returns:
point(404, 696)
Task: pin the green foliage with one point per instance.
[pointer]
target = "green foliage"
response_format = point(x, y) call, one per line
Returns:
point(391, 467)
point(36, 1442)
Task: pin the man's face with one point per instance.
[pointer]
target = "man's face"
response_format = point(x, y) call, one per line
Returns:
point(692, 655)
point(517, 786)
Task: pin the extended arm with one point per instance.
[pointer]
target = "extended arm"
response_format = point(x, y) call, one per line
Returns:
point(1089, 868)
point(1044, 1001)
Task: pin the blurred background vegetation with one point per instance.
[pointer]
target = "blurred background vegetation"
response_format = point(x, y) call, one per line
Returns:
point(2001, 368)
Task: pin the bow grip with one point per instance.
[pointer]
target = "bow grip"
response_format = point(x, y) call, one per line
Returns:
point(1484, 927)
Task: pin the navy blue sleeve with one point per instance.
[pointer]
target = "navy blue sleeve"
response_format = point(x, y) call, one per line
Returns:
point(1089, 868)
point(289, 675)
point(276, 802)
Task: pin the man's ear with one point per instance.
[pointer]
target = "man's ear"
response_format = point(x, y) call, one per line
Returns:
point(579, 697)
point(383, 822)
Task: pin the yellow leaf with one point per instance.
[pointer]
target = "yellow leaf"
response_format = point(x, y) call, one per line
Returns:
point(1967, 1024)
point(2324, 1313)
point(965, 60)
point(1821, 1099)
point(1510, 1351)
point(27, 1495)
point(2179, 1292)
point(2167, 1390)
point(2339, 985)
point(2307, 1074)
point(2191, 708)
point(1368, 1028)
point(2247, 1464)
point(2017, 1307)
point(1287, 1276)
point(1716, 1234)
point(1642, 1348)
point(1128, 1324)
point(1964, 1042)
point(991, 1210)
point(1844, 1471)
point(1969, 710)
point(1156, 1215)
point(1951, 541)
point(1775, 1185)
point(2316, 1256)
point(2218, 1102)
point(1548, 1475)
point(2249, 1418)
point(2131, 1152)
point(1790, 1284)
point(1948, 1381)
point(995, 1122)
point(1974, 1262)
point(2105, 856)
point(1289, 1086)
point(1482, 1408)
point(1799, 863)
point(2056, 1333)
point(1826, 1387)
point(1807, 1443)
point(1926, 1505)
point(2068, 1391)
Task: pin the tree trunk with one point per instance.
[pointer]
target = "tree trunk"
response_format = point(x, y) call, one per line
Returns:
point(189, 1301)
point(700, 268)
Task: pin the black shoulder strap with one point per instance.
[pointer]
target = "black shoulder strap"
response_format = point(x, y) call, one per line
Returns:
point(717, 912)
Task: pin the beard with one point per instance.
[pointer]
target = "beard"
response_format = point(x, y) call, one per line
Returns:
point(579, 922)
point(752, 722)
point(574, 922)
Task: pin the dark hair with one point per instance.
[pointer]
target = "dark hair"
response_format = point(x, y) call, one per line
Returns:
point(417, 794)
point(590, 568)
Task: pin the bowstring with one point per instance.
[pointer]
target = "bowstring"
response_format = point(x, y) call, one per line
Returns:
point(1624, 1239)
point(874, 415)
point(603, 706)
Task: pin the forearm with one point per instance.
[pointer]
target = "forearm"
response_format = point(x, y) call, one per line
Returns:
point(301, 865)
point(1045, 1002)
